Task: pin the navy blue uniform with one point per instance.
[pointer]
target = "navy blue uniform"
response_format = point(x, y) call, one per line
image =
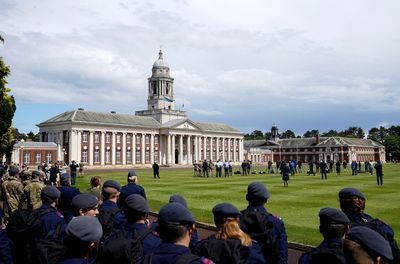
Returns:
point(119, 217)
point(74, 261)
point(279, 231)
point(5, 248)
point(130, 188)
point(64, 202)
point(150, 242)
point(168, 253)
point(51, 220)
point(193, 239)
point(334, 246)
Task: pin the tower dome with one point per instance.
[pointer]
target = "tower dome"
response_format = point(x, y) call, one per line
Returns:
point(160, 62)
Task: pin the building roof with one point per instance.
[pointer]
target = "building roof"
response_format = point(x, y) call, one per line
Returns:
point(82, 116)
point(160, 62)
point(33, 144)
point(216, 127)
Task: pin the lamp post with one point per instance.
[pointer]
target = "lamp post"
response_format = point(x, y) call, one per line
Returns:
point(22, 151)
point(63, 155)
point(390, 157)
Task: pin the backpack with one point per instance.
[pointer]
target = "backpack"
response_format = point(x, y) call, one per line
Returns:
point(186, 258)
point(50, 250)
point(326, 256)
point(24, 229)
point(106, 219)
point(121, 247)
point(260, 229)
point(223, 251)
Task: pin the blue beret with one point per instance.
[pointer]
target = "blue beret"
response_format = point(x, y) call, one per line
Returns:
point(51, 191)
point(13, 170)
point(349, 192)
point(257, 190)
point(373, 242)
point(85, 228)
point(112, 184)
point(223, 210)
point(65, 176)
point(176, 198)
point(333, 216)
point(137, 202)
point(131, 173)
point(84, 201)
point(175, 213)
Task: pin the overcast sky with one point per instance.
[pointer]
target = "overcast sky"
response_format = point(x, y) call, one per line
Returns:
point(299, 64)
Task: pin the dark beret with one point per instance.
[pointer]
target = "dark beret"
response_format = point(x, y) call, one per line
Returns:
point(137, 202)
point(373, 242)
point(333, 216)
point(349, 192)
point(84, 201)
point(85, 228)
point(175, 213)
point(13, 170)
point(131, 173)
point(65, 176)
point(257, 190)
point(35, 174)
point(51, 191)
point(223, 210)
point(176, 198)
point(112, 184)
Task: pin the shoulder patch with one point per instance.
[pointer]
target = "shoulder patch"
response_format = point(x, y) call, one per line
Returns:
point(59, 214)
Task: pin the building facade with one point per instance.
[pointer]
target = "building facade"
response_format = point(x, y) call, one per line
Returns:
point(35, 153)
point(159, 134)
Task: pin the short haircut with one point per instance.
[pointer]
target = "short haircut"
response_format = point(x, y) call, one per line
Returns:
point(109, 193)
point(331, 231)
point(47, 199)
point(170, 232)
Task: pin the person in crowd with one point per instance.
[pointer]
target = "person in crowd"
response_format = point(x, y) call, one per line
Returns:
point(25, 177)
point(82, 236)
point(230, 168)
point(12, 191)
point(269, 167)
point(156, 170)
point(354, 166)
point(226, 168)
point(95, 187)
point(371, 167)
point(205, 168)
point(131, 188)
point(32, 192)
point(299, 165)
point(334, 225)
point(365, 246)
point(73, 167)
point(285, 174)
point(210, 168)
point(244, 168)
point(344, 166)
point(352, 203)
point(85, 204)
point(5, 244)
point(54, 172)
point(257, 196)
point(379, 172)
point(67, 194)
point(338, 165)
point(359, 166)
point(323, 168)
point(311, 168)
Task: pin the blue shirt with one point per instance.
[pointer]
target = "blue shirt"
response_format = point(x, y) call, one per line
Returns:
point(334, 245)
point(119, 217)
point(151, 239)
point(168, 253)
point(130, 188)
point(51, 220)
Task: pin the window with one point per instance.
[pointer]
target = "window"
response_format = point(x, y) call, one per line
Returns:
point(65, 135)
point(147, 156)
point(108, 138)
point(128, 156)
point(118, 138)
point(108, 156)
point(84, 158)
point(128, 139)
point(38, 157)
point(147, 139)
point(27, 158)
point(48, 157)
point(138, 157)
point(96, 138)
point(156, 156)
point(118, 156)
point(138, 138)
point(84, 137)
point(156, 140)
point(96, 156)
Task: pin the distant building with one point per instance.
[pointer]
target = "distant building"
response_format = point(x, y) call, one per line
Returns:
point(159, 134)
point(35, 153)
point(313, 149)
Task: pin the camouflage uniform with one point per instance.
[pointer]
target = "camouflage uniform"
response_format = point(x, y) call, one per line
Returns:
point(32, 194)
point(12, 191)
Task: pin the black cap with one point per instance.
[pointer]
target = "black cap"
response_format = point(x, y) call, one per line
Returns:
point(85, 228)
point(373, 242)
point(176, 198)
point(137, 202)
point(333, 216)
point(84, 201)
point(346, 193)
point(257, 190)
point(131, 173)
point(112, 184)
point(35, 174)
point(175, 213)
point(224, 210)
point(13, 170)
point(65, 177)
point(51, 192)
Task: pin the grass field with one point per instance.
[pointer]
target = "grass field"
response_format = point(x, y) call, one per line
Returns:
point(298, 204)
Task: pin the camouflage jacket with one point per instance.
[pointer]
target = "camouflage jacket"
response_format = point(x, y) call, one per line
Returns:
point(12, 191)
point(32, 194)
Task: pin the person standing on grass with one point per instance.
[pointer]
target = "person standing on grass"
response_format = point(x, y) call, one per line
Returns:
point(379, 172)
point(73, 167)
point(131, 188)
point(323, 167)
point(156, 170)
point(338, 167)
point(285, 174)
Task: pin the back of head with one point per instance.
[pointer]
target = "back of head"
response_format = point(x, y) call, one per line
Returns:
point(257, 194)
point(333, 223)
point(65, 179)
point(95, 181)
point(136, 208)
point(49, 194)
point(352, 200)
point(132, 177)
point(176, 198)
point(110, 189)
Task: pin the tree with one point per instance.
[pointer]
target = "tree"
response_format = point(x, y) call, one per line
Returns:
point(378, 134)
point(330, 133)
point(356, 132)
point(256, 134)
point(288, 134)
point(311, 133)
point(7, 107)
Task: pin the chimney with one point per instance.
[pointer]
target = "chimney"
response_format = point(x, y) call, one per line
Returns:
point(317, 139)
point(81, 109)
point(113, 112)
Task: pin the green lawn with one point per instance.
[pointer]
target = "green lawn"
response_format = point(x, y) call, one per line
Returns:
point(298, 205)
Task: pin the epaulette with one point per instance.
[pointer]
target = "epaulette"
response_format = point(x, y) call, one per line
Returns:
point(59, 214)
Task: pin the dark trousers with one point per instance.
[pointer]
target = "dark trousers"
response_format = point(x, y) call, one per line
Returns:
point(354, 172)
point(73, 177)
point(379, 179)
point(156, 174)
point(244, 172)
point(323, 175)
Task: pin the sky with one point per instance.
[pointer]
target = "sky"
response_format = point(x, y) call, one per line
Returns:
point(301, 65)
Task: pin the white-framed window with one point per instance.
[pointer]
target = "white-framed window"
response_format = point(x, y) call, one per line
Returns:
point(128, 139)
point(147, 139)
point(27, 158)
point(48, 157)
point(118, 156)
point(84, 156)
point(138, 156)
point(84, 137)
point(66, 136)
point(138, 138)
point(128, 156)
point(155, 140)
point(96, 138)
point(108, 138)
point(118, 139)
point(156, 156)
point(108, 156)
point(38, 157)
point(147, 156)
point(96, 156)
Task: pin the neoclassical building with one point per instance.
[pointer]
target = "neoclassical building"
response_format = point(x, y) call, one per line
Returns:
point(159, 134)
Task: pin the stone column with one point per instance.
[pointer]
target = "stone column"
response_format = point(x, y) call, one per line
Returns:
point(113, 148)
point(169, 149)
point(91, 146)
point(133, 148)
point(196, 148)
point(79, 143)
point(223, 149)
point(234, 150)
point(123, 150)
point(188, 152)
point(152, 149)
point(180, 150)
point(200, 147)
point(102, 148)
point(217, 148)
point(173, 149)
point(229, 149)
point(143, 148)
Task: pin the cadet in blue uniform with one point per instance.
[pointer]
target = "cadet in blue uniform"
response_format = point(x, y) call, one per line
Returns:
point(131, 188)
point(257, 196)
point(82, 236)
point(136, 209)
point(334, 224)
point(352, 203)
point(50, 217)
point(5, 245)
point(67, 194)
point(364, 245)
point(176, 224)
point(108, 210)
point(85, 204)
